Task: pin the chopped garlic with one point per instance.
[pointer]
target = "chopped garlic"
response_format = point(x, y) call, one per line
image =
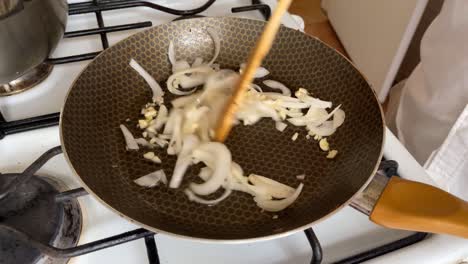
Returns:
point(300, 176)
point(294, 137)
point(274, 217)
point(160, 142)
point(150, 112)
point(151, 130)
point(280, 126)
point(144, 134)
point(149, 105)
point(156, 159)
point(332, 154)
point(300, 92)
point(308, 136)
point(142, 123)
point(323, 143)
point(149, 155)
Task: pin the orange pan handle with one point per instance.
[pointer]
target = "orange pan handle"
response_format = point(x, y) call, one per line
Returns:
point(416, 206)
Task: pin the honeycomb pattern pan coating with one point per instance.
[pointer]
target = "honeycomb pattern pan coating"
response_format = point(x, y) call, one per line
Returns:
point(108, 92)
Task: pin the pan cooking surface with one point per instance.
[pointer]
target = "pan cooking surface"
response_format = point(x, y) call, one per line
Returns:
point(108, 92)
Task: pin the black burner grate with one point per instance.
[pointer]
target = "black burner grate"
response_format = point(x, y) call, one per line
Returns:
point(97, 7)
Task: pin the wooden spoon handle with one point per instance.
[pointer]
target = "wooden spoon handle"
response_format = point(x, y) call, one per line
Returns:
point(256, 57)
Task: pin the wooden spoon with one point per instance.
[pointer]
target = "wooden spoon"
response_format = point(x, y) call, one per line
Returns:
point(256, 57)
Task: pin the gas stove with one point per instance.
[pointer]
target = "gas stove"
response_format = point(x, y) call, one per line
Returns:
point(28, 123)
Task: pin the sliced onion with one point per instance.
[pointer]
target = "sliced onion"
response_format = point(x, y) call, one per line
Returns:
point(181, 65)
point(152, 179)
point(129, 139)
point(164, 136)
point(314, 102)
point(169, 127)
point(317, 115)
point(259, 73)
point(174, 88)
point(238, 182)
point(324, 130)
point(250, 117)
point(158, 93)
point(256, 87)
point(294, 114)
point(294, 105)
point(193, 197)
point(205, 173)
point(176, 141)
point(280, 126)
point(197, 62)
point(275, 189)
point(278, 86)
point(221, 169)
point(314, 115)
point(204, 129)
point(267, 111)
point(163, 176)
point(298, 121)
point(183, 160)
point(277, 96)
point(278, 205)
point(338, 118)
point(199, 155)
point(217, 43)
point(256, 191)
point(161, 118)
point(158, 141)
point(185, 100)
point(219, 83)
point(143, 142)
point(192, 119)
point(171, 53)
point(325, 118)
point(230, 183)
point(187, 82)
point(236, 169)
point(236, 186)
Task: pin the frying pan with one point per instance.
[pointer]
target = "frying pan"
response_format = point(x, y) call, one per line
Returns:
point(108, 92)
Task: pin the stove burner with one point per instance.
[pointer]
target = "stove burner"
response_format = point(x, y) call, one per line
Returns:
point(26, 81)
point(32, 209)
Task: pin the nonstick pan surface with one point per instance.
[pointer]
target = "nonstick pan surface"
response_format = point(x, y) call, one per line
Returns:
point(108, 92)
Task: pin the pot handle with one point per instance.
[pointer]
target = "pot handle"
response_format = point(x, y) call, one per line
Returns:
point(416, 206)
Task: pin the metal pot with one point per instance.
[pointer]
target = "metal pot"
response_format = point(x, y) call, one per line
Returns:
point(29, 32)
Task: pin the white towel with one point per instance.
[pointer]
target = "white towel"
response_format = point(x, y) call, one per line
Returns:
point(448, 166)
point(437, 90)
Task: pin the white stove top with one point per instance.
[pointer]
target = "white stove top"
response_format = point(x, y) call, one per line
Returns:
point(346, 233)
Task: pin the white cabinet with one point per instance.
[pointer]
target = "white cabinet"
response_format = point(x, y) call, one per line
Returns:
point(375, 34)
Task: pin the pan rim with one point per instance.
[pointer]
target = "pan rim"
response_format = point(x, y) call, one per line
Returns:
point(213, 240)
